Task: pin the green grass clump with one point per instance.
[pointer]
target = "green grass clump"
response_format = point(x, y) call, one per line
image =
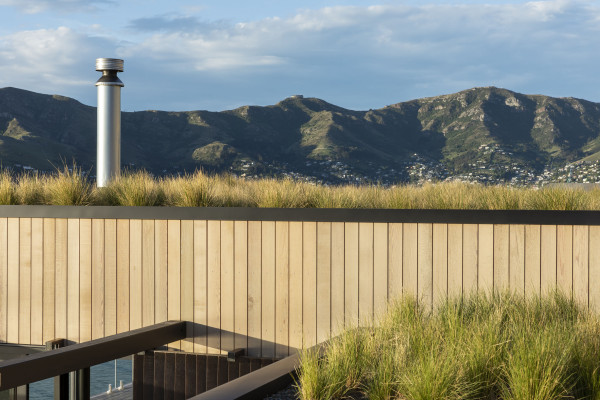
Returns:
point(132, 189)
point(30, 190)
point(68, 188)
point(8, 193)
point(139, 188)
point(499, 346)
point(189, 191)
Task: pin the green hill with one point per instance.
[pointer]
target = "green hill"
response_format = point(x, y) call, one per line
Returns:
point(300, 135)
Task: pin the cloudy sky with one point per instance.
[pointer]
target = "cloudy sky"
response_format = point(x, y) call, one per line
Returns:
point(359, 54)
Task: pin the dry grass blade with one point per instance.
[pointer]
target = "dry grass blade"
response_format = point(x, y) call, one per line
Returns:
point(69, 187)
point(8, 193)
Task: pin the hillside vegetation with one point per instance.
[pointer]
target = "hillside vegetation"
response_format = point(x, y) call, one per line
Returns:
point(297, 135)
point(71, 187)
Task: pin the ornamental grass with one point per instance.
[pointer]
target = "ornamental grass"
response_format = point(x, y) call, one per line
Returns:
point(72, 186)
point(497, 347)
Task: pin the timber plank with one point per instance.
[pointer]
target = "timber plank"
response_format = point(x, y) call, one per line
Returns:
point(564, 259)
point(61, 273)
point(351, 274)
point(98, 276)
point(365, 273)
point(187, 282)
point(425, 264)
point(594, 268)
point(440, 263)
point(37, 283)
point(548, 258)
point(517, 259)
point(241, 284)
point(323, 281)
point(410, 259)
point(73, 279)
point(122, 275)
point(485, 257)
point(200, 287)
point(533, 259)
point(4, 279)
point(268, 295)
point(49, 276)
point(309, 283)
point(135, 274)
point(85, 279)
point(470, 257)
point(25, 281)
point(380, 267)
point(395, 232)
point(13, 275)
point(149, 295)
point(161, 275)
point(174, 273)
point(254, 288)
point(581, 264)
point(337, 277)
point(295, 340)
point(213, 304)
point(501, 257)
point(282, 271)
point(110, 276)
point(227, 285)
point(455, 259)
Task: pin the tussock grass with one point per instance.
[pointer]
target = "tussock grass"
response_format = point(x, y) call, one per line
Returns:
point(189, 191)
point(68, 188)
point(138, 188)
point(8, 194)
point(498, 346)
point(30, 189)
point(132, 189)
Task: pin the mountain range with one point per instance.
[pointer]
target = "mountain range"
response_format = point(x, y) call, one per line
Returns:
point(304, 135)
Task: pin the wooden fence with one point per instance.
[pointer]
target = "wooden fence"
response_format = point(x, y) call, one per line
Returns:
point(268, 285)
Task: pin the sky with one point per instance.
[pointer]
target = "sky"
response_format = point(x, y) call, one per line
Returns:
point(183, 55)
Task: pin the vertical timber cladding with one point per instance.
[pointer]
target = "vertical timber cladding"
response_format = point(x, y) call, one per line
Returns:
point(267, 283)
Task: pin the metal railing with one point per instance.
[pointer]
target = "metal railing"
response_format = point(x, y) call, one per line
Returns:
point(80, 357)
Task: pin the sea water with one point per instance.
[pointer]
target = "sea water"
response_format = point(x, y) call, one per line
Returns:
point(101, 376)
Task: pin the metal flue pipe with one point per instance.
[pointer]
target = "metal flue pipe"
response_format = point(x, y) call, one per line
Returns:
point(108, 157)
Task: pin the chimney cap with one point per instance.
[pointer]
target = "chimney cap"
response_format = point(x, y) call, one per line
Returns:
point(109, 64)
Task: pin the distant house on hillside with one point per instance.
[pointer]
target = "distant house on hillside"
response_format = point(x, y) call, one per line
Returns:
point(296, 96)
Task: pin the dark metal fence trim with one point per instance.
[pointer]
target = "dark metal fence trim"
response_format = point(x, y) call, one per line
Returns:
point(257, 384)
point(536, 217)
point(263, 382)
point(56, 362)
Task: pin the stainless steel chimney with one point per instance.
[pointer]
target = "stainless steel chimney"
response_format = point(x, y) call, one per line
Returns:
point(108, 159)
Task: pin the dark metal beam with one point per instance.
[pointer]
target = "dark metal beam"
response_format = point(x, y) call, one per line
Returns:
point(262, 382)
point(52, 363)
point(258, 384)
point(537, 217)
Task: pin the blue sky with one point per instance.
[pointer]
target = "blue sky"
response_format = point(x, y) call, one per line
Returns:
point(187, 55)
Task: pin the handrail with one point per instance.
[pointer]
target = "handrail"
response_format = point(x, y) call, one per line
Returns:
point(35, 367)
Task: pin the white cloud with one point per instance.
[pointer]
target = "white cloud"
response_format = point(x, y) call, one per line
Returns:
point(358, 57)
point(408, 35)
point(38, 6)
point(50, 60)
